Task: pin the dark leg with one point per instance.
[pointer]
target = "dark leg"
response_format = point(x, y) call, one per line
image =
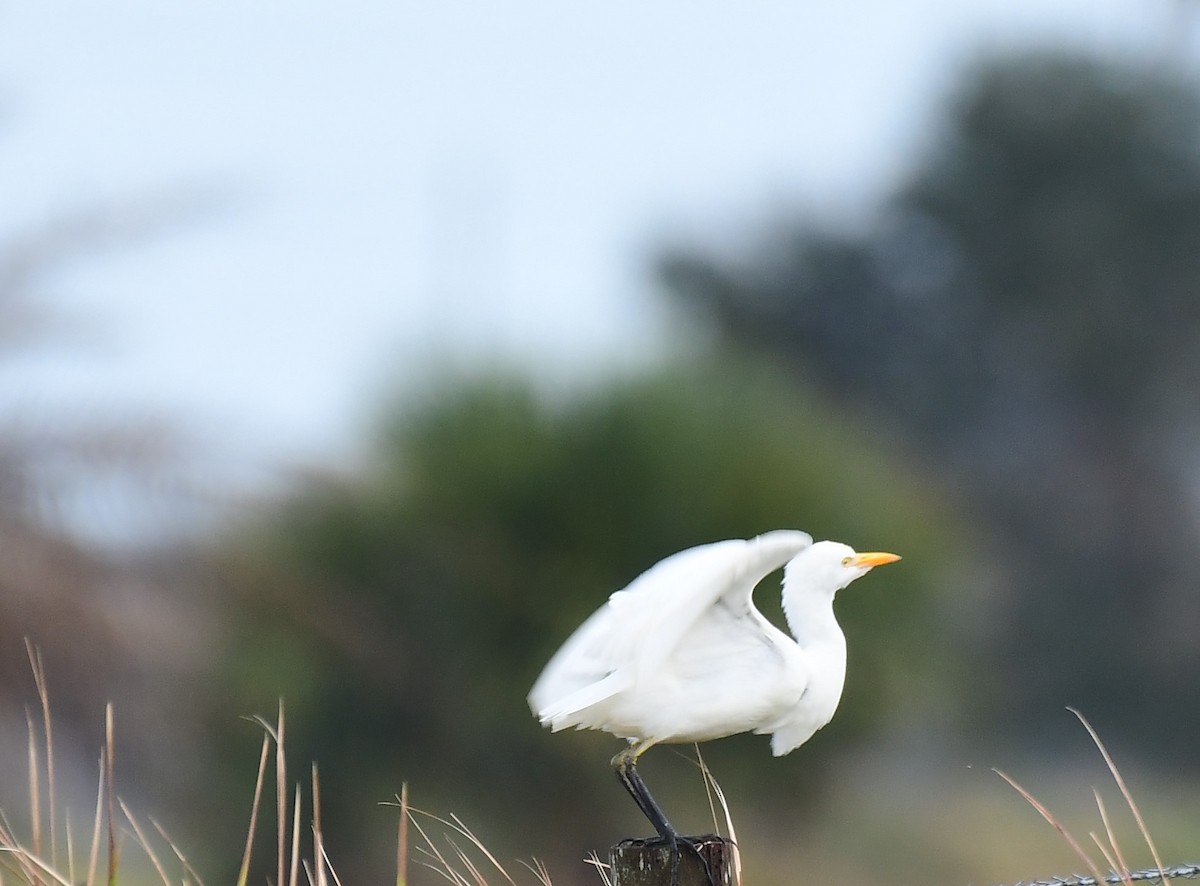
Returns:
point(625, 766)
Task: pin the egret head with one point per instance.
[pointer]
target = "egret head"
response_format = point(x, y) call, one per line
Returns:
point(833, 565)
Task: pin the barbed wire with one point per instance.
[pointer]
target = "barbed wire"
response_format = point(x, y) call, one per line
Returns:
point(1154, 875)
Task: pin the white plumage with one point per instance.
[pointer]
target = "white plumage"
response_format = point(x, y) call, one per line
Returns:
point(682, 654)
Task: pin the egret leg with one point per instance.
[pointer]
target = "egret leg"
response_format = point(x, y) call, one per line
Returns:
point(625, 766)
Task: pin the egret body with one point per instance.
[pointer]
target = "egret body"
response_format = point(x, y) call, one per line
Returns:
point(682, 655)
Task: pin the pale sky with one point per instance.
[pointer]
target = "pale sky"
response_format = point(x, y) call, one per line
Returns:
point(397, 181)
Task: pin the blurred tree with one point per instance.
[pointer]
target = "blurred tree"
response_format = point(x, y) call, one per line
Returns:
point(1026, 311)
point(422, 598)
point(115, 624)
point(53, 455)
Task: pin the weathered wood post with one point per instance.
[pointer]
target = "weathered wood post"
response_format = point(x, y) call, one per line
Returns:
point(648, 863)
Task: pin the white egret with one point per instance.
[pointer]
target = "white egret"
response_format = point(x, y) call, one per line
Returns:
point(682, 655)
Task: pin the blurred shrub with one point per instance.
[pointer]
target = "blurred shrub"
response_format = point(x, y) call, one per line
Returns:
point(405, 612)
point(1024, 313)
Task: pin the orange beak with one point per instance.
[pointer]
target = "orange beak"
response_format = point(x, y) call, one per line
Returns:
point(873, 558)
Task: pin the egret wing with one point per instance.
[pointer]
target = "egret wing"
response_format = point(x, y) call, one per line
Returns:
point(661, 606)
point(579, 674)
point(640, 626)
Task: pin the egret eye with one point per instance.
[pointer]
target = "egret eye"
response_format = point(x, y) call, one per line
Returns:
point(845, 561)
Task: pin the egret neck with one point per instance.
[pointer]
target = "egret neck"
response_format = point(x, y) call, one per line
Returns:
point(808, 608)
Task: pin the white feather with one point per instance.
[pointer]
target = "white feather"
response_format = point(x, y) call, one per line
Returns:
point(682, 654)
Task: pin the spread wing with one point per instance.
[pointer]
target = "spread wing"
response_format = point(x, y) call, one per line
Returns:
point(641, 625)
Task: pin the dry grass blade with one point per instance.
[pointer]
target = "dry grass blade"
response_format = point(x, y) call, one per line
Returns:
point(39, 681)
point(478, 844)
point(402, 838)
point(329, 865)
point(451, 876)
point(1056, 824)
point(275, 734)
point(294, 877)
point(109, 791)
point(602, 868)
point(244, 871)
point(281, 799)
point(434, 861)
point(706, 775)
point(1111, 859)
point(94, 854)
point(318, 836)
point(187, 867)
point(144, 843)
point(35, 792)
point(34, 867)
point(70, 849)
point(9, 844)
point(1112, 837)
point(1117, 777)
point(466, 862)
point(538, 868)
point(461, 869)
point(711, 785)
point(443, 867)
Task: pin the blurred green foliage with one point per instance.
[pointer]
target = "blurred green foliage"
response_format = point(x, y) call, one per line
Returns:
point(405, 612)
point(1025, 312)
point(996, 362)
point(995, 377)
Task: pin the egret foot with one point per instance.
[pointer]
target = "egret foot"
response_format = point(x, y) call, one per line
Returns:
point(674, 842)
point(653, 860)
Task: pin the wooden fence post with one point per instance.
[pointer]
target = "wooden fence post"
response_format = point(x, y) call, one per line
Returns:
point(648, 862)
